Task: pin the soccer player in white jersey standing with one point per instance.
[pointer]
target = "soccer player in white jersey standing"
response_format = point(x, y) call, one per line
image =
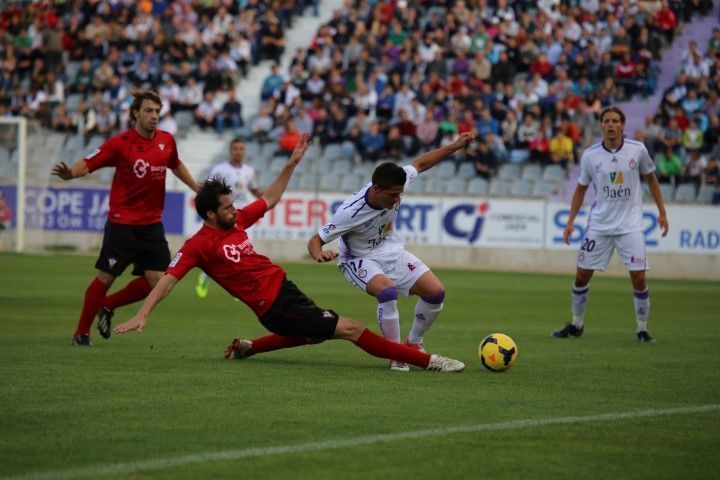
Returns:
point(241, 179)
point(614, 167)
point(372, 253)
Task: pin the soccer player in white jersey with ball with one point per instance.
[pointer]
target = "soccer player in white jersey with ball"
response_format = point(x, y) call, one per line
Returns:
point(372, 253)
point(614, 167)
point(241, 179)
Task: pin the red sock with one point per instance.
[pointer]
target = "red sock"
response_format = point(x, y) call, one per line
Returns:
point(94, 298)
point(379, 347)
point(133, 292)
point(271, 342)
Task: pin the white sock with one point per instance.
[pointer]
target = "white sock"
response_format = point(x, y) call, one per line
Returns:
point(425, 315)
point(642, 308)
point(389, 320)
point(579, 302)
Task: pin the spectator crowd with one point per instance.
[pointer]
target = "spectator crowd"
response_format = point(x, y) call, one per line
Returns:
point(383, 79)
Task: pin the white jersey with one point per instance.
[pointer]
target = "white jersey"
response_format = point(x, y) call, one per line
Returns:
point(240, 179)
point(365, 231)
point(616, 177)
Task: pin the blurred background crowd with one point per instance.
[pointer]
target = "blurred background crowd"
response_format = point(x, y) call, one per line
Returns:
point(383, 79)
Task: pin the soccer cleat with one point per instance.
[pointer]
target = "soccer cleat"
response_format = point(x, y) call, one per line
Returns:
point(238, 349)
point(81, 341)
point(104, 322)
point(644, 337)
point(439, 363)
point(201, 289)
point(420, 347)
point(399, 366)
point(569, 330)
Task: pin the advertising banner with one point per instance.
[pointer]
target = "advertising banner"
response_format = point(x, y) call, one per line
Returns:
point(493, 223)
point(81, 209)
point(420, 220)
point(432, 221)
point(693, 229)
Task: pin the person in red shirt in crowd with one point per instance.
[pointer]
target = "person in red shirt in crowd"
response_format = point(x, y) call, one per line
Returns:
point(133, 232)
point(666, 21)
point(221, 248)
point(540, 149)
point(542, 66)
point(467, 122)
point(289, 137)
point(625, 74)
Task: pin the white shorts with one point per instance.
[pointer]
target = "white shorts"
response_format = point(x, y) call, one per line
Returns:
point(597, 249)
point(404, 270)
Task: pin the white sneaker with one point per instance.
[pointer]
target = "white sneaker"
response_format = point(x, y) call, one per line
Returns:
point(399, 366)
point(439, 363)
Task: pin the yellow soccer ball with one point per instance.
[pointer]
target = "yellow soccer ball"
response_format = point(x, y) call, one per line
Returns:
point(497, 352)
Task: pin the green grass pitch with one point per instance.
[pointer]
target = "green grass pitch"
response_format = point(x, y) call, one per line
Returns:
point(165, 404)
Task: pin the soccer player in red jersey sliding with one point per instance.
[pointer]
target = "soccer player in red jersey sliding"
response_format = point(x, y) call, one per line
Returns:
point(222, 250)
point(133, 232)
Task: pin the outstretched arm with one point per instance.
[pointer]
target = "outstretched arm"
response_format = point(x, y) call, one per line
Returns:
point(656, 193)
point(274, 191)
point(316, 251)
point(183, 174)
point(79, 169)
point(575, 204)
point(433, 157)
point(161, 290)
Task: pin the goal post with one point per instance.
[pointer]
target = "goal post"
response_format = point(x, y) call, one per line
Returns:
point(13, 145)
point(42, 212)
point(49, 214)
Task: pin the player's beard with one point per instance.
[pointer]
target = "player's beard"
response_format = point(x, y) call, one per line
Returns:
point(226, 224)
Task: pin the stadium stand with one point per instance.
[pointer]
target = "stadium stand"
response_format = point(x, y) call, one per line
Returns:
point(420, 71)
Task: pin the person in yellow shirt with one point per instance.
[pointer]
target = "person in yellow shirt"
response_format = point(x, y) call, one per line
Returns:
point(561, 149)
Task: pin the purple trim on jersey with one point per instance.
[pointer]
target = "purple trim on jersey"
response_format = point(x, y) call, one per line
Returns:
point(435, 299)
point(610, 151)
point(351, 272)
point(641, 295)
point(597, 145)
point(367, 201)
point(361, 206)
point(387, 295)
point(358, 210)
point(580, 291)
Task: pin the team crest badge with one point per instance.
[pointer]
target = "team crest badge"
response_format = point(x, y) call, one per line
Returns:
point(161, 146)
point(140, 168)
point(632, 163)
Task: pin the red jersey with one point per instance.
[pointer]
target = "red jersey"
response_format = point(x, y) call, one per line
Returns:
point(227, 256)
point(137, 195)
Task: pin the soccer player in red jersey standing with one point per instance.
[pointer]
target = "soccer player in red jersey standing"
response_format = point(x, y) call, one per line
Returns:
point(133, 232)
point(221, 248)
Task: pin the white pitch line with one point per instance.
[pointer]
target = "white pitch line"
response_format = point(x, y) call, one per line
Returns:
point(199, 458)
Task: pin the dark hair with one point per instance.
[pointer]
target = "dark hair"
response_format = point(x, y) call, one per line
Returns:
point(388, 175)
point(208, 197)
point(613, 110)
point(138, 97)
point(236, 140)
